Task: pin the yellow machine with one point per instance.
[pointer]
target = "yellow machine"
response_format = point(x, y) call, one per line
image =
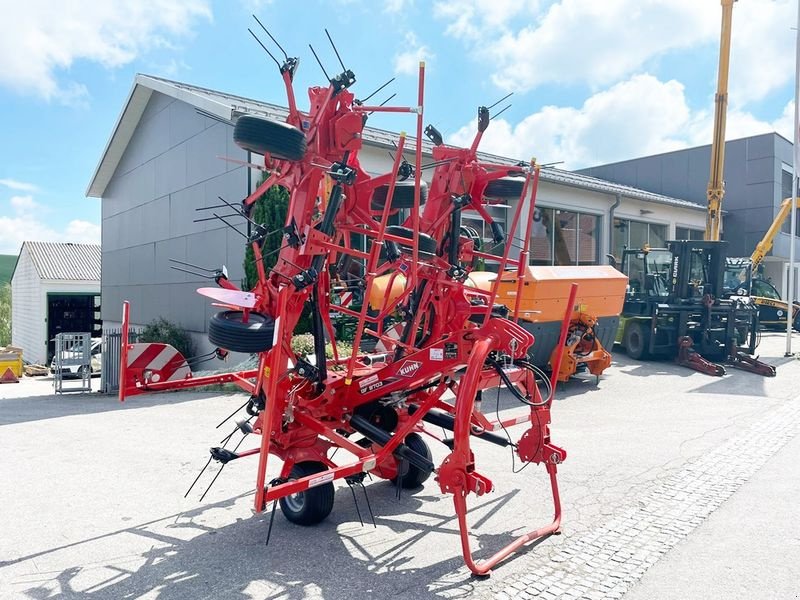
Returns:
point(765, 245)
point(716, 184)
point(601, 294)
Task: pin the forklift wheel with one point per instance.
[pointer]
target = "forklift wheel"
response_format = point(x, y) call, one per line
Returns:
point(313, 505)
point(265, 136)
point(403, 196)
point(636, 341)
point(414, 476)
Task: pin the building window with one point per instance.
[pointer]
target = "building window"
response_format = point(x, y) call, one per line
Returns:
point(786, 192)
point(563, 237)
point(687, 233)
point(637, 234)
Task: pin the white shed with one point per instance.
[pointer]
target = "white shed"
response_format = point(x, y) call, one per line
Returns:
point(55, 287)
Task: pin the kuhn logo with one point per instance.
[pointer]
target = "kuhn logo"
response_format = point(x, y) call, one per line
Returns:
point(408, 368)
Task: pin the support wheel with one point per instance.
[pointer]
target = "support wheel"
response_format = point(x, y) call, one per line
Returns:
point(313, 505)
point(504, 188)
point(403, 196)
point(413, 477)
point(265, 136)
point(427, 245)
point(228, 330)
point(637, 340)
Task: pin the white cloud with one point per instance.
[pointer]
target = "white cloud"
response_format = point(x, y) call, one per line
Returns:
point(471, 19)
point(39, 39)
point(600, 43)
point(637, 117)
point(407, 62)
point(762, 49)
point(21, 186)
point(82, 232)
point(24, 224)
point(396, 6)
point(23, 204)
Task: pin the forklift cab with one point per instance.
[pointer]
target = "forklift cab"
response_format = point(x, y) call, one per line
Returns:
point(687, 271)
point(648, 278)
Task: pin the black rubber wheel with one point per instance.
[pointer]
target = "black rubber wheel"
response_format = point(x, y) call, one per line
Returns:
point(265, 136)
point(313, 505)
point(227, 330)
point(403, 196)
point(413, 477)
point(636, 340)
point(504, 188)
point(427, 245)
point(84, 371)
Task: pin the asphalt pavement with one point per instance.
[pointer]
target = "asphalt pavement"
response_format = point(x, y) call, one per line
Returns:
point(676, 485)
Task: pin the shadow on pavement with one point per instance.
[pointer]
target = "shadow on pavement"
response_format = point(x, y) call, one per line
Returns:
point(36, 408)
point(334, 559)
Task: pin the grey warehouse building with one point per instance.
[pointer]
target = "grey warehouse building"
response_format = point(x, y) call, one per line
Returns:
point(758, 177)
point(163, 162)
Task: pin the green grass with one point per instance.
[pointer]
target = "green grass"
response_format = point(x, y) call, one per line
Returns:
point(7, 262)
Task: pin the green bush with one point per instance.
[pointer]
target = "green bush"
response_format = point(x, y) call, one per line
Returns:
point(161, 330)
point(5, 314)
point(303, 345)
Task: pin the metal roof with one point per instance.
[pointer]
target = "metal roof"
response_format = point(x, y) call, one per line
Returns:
point(64, 261)
point(226, 106)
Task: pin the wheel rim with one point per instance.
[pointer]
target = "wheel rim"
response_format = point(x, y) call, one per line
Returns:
point(295, 502)
point(634, 341)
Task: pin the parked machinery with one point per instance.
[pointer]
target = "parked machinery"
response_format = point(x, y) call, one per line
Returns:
point(674, 308)
point(594, 317)
point(451, 336)
point(742, 278)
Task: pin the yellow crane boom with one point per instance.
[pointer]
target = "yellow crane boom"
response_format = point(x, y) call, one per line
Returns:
point(765, 245)
point(716, 185)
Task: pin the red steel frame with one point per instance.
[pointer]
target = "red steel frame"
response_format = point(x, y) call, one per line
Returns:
point(302, 419)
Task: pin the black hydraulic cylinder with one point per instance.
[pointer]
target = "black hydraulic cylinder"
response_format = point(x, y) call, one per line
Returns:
point(455, 231)
point(440, 419)
point(379, 436)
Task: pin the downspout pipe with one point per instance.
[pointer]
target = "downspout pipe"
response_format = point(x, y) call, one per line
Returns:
point(617, 201)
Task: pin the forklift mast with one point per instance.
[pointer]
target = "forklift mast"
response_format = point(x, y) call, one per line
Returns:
point(697, 272)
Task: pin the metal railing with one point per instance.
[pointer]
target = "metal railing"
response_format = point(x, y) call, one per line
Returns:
point(112, 348)
point(72, 358)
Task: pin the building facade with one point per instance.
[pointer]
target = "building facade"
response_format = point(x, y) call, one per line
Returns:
point(758, 177)
point(55, 288)
point(171, 157)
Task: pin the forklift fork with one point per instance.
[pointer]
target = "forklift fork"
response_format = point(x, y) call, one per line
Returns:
point(689, 357)
point(741, 360)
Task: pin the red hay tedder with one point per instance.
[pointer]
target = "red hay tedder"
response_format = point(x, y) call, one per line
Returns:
point(449, 339)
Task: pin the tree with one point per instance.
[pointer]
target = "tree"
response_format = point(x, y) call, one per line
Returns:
point(270, 211)
point(5, 314)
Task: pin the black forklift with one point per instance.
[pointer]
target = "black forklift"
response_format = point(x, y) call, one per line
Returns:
point(675, 308)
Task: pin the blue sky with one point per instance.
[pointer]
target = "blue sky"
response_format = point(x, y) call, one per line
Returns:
point(593, 81)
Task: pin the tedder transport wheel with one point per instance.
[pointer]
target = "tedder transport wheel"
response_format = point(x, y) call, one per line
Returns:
point(403, 196)
point(227, 330)
point(313, 505)
point(427, 245)
point(636, 340)
point(265, 136)
point(504, 188)
point(413, 477)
